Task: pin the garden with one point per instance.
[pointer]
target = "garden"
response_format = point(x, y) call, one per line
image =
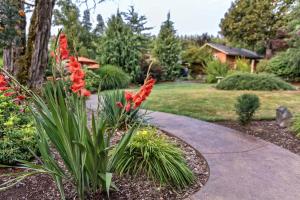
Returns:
point(108, 110)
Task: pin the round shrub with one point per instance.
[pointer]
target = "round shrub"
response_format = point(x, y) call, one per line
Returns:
point(246, 106)
point(113, 77)
point(247, 81)
point(92, 80)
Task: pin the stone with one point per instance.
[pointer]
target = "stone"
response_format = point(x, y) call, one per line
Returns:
point(283, 117)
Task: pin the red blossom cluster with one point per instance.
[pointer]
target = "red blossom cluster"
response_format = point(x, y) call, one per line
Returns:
point(77, 74)
point(135, 100)
point(9, 91)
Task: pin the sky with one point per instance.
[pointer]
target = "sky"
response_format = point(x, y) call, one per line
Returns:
point(190, 16)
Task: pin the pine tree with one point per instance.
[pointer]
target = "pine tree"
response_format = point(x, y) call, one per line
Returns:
point(119, 46)
point(86, 20)
point(99, 29)
point(251, 23)
point(167, 49)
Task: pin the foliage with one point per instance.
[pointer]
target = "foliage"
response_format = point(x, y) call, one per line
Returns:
point(196, 40)
point(120, 46)
point(113, 114)
point(242, 65)
point(241, 25)
point(100, 26)
point(17, 132)
point(92, 80)
point(86, 20)
point(10, 18)
point(215, 69)
point(197, 59)
point(246, 106)
point(296, 125)
point(112, 77)
point(161, 160)
point(247, 81)
point(262, 66)
point(167, 50)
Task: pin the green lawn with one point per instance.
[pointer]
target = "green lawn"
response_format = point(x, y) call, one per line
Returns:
point(204, 102)
point(1, 61)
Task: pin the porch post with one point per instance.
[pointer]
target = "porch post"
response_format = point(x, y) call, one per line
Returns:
point(252, 66)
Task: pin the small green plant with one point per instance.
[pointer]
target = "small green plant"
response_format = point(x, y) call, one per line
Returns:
point(246, 106)
point(113, 77)
point(215, 69)
point(155, 155)
point(242, 65)
point(247, 81)
point(296, 125)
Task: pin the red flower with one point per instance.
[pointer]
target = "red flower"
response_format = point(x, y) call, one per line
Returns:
point(85, 92)
point(63, 47)
point(21, 97)
point(128, 96)
point(4, 88)
point(74, 65)
point(3, 81)
point(8, 94)
point(119, 104)
point(77, 75)
point(128, 107)
point(77, 86)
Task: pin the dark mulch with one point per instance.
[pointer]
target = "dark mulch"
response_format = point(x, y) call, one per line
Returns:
point(269, 131)
point(130, 188)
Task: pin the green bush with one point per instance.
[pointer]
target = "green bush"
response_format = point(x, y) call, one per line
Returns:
point(243, 65)
point(92, 80)
point(17, 133)
point(262, 66)
point(113, 77)
point(214, 69)
point(285, 65)
point(246, 106)
point(247, 81)
point(296, 125)
point(161, 160)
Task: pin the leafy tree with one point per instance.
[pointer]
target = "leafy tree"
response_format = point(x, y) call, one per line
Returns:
point(167, 50)
point(251, 23)
point(198, 40)
point(119, 46)
point(86, 20)
point(100, 26)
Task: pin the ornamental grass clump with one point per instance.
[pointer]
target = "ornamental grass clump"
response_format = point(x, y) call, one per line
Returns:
point(154, 155)
point(62, 123)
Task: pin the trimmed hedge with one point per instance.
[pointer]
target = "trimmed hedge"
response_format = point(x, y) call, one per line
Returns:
point(247, 81)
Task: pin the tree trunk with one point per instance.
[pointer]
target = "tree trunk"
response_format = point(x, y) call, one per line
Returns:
point(39, 57)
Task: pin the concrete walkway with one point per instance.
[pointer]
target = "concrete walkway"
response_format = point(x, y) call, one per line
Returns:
point(242, 167)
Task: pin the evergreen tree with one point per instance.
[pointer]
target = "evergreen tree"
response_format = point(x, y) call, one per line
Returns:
point(86, 20)
point(167, 50)
point(137, 24)
point(119, 46)
point(251, 23)
point(99, 29)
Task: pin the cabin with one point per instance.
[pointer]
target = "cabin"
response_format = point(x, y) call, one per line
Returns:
point(230, 55)
point(91, 64)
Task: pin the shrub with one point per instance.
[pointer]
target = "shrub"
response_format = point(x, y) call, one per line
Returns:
point(243, 65)
point(296, 125)
point(214, 69)
point(285, 65)
point(246, 106)
point(17, 133)
point(154, 155)
point(112, 77)
point(92, 80)
point(262, 66)
point(247, 81)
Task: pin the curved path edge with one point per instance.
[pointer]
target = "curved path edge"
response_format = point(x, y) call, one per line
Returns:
point(242, 167)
